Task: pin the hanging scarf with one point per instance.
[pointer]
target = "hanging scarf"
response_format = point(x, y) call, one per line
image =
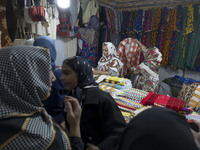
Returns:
point(111, 62)
point(25, 71)
point(163, 24)
point(138, 25)
point(186, 37)
point(170, 28)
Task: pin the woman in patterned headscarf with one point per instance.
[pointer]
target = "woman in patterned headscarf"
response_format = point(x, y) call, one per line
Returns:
point(101, 119)
point(147, 77)
point(26, 79)
point(109, 63)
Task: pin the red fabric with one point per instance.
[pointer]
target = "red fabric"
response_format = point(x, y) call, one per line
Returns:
point(163, 101)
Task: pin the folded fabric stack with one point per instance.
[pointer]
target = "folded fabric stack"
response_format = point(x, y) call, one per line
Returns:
point(195, 100)
point(113, 91)
point(117, 80)
point(165, 101)
point(193, 116)
point(128, 99)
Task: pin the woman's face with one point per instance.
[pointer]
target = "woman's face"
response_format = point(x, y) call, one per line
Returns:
point(69, 77)
point(105, 50)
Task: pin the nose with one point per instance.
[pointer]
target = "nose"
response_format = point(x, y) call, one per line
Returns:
point(62, 78)
point(53, 78)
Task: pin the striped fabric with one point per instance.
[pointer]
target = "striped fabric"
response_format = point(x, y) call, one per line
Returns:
point(195, 100)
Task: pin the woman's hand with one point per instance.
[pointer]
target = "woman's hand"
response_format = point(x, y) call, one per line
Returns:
point(73, 115)
point(91, 147)
point(139, 43)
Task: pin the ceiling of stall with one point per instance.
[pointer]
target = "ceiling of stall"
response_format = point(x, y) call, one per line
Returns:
point(123, 4)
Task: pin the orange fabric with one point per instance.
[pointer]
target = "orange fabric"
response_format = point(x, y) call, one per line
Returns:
point(129, 54)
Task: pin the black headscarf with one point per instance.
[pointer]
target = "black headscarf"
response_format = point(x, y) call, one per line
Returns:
point(157, 129)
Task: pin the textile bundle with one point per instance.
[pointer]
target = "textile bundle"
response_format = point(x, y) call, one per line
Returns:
point(163, 101)
point(117, 80)
point(195, 100)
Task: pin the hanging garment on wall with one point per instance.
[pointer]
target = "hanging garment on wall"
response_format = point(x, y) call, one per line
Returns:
point(125, 24)
point(178, 50)
point(170, 28)
point(5, 39)
point(138, 24)
point(147, 28)
point(89, 36)
point(194, 47)
point(186, 37)
point(155, 26)
point(90, 10)
point(161, 30)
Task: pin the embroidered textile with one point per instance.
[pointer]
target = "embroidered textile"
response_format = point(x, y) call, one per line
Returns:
point(163, 101)
point(148, 77)
point(187, 91)
point(195, 100)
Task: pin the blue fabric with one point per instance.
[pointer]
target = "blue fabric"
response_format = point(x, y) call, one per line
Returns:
point(55, 103)
point(45, 41)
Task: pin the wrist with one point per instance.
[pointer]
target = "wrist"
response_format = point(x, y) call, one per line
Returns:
point(75, 131)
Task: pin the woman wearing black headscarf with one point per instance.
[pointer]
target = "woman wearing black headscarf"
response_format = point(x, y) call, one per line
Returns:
point(101, 120)
point(157, 129)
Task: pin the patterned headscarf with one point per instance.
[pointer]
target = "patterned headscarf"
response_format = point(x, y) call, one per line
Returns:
point(84, 71)
point(45, 41)
point(25, 80)
point(111, 61)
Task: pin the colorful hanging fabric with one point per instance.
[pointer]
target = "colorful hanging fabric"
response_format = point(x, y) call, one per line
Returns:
point(125, 24)
point(147, 28)
point(186, 37)
point(89, 48)
point(194, 47)
point(163, 101)
point(197, 63)
point(161, 30)
point(64, 28)
point(143, 40)
point(178, 49)
point(170, 28)
point(175, 36)
point(155, 27)
point(138, 25)
point(131, 23)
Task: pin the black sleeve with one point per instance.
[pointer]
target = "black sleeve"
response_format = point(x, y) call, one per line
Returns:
point(114, 122)
point(76, 143)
